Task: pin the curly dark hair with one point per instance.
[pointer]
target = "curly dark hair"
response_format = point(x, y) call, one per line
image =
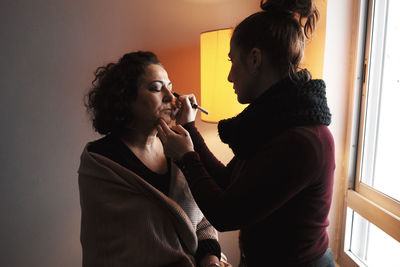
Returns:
point(115, 86)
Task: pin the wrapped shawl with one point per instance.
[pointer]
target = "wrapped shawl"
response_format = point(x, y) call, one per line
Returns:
point(128, 222)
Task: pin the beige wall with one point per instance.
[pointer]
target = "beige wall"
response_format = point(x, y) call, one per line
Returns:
point(339, 75)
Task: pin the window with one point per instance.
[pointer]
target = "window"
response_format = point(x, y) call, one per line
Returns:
point(379, 163)
point(371, 245)
point(372, 229)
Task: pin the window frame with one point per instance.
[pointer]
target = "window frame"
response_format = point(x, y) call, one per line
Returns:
point(376, 207)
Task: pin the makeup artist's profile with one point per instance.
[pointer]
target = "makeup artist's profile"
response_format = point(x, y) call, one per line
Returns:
point(137, 209)
point(277, 189)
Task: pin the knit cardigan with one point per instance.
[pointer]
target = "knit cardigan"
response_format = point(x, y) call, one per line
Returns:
point(127, 222)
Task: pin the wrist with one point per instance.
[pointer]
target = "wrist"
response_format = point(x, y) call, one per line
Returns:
point(181, 161)
point(189, 125)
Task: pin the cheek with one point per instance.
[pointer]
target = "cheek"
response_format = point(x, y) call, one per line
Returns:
point(144, 109)
point(149, 103)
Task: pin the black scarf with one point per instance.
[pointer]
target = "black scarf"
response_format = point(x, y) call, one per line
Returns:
point(284, 105)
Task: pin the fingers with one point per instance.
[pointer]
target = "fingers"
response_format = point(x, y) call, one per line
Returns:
point(164, 130)
point(192, 98)
point(161, 133)
point(180, 130)
point(176, 141)
point(189, 98)
point(186, 112)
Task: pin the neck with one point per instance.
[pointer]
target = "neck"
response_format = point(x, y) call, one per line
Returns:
point(141, 139)
point(285, 105)
point(147, 147)
point(266, 79)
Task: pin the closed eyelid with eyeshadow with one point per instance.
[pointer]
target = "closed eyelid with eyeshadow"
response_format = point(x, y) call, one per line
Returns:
point(158, 85)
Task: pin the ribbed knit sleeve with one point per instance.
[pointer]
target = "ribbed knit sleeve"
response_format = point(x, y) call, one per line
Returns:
point(208, 247)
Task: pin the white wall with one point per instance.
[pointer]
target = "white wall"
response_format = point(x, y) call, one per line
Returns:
point(338, 74)
point(49, 50)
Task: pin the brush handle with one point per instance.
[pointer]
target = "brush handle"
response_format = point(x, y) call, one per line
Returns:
point(199, 108)
point(194, 105)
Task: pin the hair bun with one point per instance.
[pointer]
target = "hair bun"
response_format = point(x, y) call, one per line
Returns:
point(298, 6)
point(304, 10)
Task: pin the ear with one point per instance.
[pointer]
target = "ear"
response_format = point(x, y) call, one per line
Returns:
point(254, 60)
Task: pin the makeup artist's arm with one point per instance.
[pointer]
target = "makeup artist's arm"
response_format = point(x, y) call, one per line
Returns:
point(217, 170)
point(262, 185)
point(186, 118)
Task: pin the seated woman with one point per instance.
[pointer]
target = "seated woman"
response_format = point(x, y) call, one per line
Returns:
point(137, 209)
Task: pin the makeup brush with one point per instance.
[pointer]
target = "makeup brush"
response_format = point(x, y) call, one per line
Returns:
point(193, 104)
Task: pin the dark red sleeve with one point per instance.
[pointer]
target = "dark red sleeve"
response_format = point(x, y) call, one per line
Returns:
point(216, 169)
point(259, 186)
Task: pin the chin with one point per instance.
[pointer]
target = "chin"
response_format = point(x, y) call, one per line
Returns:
point(166, 118)
point(242, 100)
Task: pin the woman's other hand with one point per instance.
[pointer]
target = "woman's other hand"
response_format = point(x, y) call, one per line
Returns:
point(186, 113)
point(212, 261)
point(176, 140)
point(209, 261)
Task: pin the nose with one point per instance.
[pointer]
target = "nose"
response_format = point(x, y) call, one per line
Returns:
point(168, 96)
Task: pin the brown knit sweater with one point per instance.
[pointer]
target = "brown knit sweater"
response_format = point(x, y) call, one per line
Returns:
point(127, 222)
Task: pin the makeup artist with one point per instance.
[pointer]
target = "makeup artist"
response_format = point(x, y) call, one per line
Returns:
point(277, 189)
point(137, 209)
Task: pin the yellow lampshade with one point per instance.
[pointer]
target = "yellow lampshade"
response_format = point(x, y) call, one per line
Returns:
point(315, 49)
point(217, 94)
